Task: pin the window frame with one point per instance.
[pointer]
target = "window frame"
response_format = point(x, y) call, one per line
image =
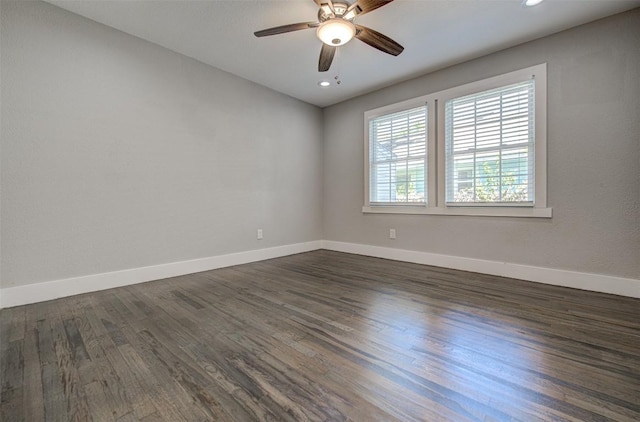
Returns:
point(435, 183)
point(387, 110)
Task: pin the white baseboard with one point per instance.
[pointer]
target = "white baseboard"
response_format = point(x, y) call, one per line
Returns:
point(577, 280)
point(40, 292)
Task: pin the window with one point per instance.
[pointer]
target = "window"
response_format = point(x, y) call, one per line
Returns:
point(480, 150)
point(397, 157)
point(489, 146)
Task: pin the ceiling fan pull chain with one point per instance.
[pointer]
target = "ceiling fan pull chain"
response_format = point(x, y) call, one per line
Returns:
point(337, 77)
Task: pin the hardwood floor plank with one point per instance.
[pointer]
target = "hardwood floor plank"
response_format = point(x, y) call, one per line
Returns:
point(13, 325)
point(159, 395)
point(324, 336)
point(11, 374)
point(33, 408)
point(98, 401)
point(55, 403)
point(169, 376)
point(70, 364)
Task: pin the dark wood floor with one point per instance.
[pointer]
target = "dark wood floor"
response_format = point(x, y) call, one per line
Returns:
point(324, 336)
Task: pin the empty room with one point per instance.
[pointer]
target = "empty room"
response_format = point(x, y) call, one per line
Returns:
point(320, 210)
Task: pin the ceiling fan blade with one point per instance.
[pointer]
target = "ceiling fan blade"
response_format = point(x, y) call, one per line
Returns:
point(361, 7)
point(326, 57)
point(285, 28)
point(378, 40)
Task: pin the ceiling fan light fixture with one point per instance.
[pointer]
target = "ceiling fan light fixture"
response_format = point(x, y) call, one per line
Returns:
point(336, 32)
point(530, 3)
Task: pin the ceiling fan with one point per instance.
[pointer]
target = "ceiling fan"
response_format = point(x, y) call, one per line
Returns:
point(335, 27)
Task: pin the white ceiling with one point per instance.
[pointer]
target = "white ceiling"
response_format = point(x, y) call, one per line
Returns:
point(435, 34)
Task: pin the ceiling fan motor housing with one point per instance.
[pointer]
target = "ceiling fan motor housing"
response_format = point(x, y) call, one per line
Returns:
point(325, 13)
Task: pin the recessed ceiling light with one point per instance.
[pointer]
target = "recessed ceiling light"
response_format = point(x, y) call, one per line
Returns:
point(531, 2)
point(324, 84)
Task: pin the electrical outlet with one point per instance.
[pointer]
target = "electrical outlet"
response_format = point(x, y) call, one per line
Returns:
point(259, 234)
point(392, 233)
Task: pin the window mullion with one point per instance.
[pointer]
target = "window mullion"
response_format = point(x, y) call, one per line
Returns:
point(500, 152)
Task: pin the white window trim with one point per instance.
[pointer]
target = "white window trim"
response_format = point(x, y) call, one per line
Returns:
point(436, 184)
point(382, 111)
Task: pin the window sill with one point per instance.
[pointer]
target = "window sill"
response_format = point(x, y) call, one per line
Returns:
point(502, 211)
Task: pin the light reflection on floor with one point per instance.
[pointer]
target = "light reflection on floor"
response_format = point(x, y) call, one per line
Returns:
point(451, 348)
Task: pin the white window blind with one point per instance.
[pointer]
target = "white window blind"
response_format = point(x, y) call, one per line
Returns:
point(489, 142)
point(397, 157)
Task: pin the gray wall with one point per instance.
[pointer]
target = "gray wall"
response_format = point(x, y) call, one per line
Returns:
point(118, 154)
point(593, 160)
